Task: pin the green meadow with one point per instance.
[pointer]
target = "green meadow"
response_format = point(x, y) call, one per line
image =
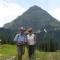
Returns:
point(9, 52)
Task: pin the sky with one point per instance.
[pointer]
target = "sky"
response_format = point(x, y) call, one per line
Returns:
point(11, 9)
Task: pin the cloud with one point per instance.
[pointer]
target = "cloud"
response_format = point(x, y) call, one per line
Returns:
point(56, 13)
point(9, 11)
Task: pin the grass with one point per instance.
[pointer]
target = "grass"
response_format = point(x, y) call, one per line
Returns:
point(10, 50)
point(7, 50)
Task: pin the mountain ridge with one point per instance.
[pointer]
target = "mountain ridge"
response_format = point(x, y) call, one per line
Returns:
point(34, 17)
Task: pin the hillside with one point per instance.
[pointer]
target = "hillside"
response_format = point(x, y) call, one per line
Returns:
point(6, 36)
point(34, 17)
point(38, 19)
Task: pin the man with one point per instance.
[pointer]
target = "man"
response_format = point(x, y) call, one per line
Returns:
point(31, 40)
point(20, 40)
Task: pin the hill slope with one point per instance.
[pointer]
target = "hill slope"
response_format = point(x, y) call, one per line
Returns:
point(36, 18)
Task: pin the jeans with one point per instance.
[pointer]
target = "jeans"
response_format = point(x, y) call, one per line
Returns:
point(31, 50)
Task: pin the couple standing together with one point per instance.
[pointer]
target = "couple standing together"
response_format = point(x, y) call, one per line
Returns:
point(23, 39)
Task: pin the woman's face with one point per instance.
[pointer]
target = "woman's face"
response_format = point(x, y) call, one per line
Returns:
point(30, 32)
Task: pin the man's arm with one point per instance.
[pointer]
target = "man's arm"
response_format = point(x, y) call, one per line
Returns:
point(26, 39)
point(15, 39)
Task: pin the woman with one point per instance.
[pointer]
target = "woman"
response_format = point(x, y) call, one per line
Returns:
point(31, 39)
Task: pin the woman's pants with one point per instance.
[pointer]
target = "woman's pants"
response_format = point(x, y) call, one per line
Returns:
point(31, 49)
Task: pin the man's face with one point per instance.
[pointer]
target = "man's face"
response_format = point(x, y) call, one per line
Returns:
point(21, 31)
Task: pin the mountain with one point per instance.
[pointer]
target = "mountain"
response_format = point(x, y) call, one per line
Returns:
point(34, 17)
point(38, 19)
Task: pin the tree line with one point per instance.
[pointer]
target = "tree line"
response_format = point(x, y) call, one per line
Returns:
point(46, 41)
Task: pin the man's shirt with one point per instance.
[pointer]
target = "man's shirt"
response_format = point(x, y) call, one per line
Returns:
point(20, 38)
